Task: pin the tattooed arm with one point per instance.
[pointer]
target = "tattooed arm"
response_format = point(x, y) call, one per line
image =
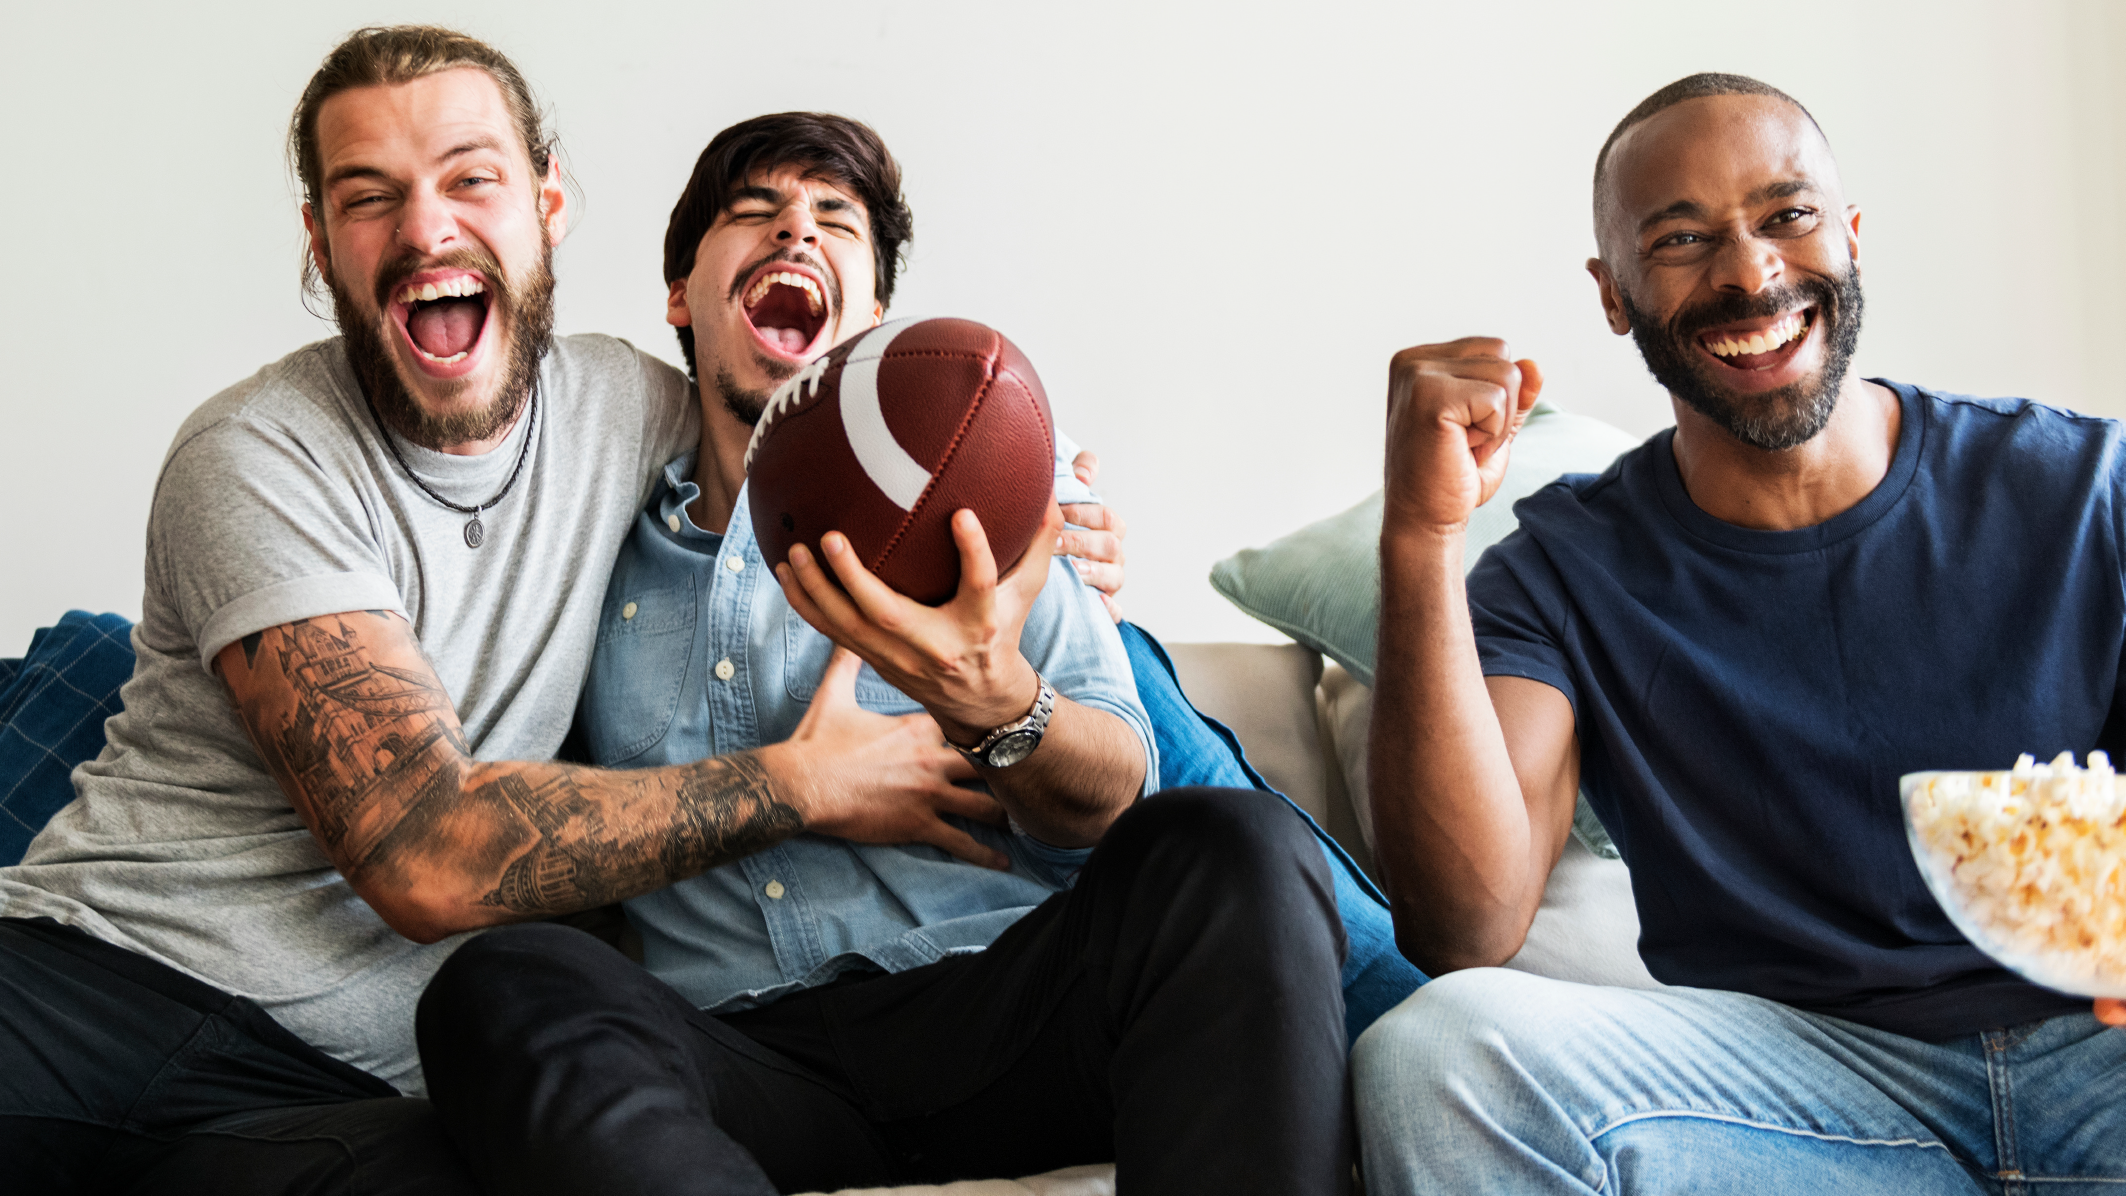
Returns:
point(350, 718)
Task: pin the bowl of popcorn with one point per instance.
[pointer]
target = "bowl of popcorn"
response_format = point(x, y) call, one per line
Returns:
point(2030, 864)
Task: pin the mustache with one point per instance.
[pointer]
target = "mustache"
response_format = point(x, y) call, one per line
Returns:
point(1731, 307)
point(391, 275)
point(834, 288)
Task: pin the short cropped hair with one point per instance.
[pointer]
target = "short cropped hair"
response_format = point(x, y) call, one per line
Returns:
point(1690, 87)
point(392, 54)
point(845, 152)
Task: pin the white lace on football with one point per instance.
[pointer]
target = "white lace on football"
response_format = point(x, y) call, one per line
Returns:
point(805, 382)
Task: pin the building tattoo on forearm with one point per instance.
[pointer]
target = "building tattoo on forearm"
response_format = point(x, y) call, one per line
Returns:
point(375, 757)
point(725, 810)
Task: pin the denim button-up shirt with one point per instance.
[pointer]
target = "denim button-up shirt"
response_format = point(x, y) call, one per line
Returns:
point(700, 654)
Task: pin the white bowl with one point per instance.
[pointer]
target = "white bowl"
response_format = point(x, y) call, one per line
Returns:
point(2009, 933)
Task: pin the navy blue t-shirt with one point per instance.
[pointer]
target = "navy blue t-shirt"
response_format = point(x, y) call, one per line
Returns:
point(1746, 700)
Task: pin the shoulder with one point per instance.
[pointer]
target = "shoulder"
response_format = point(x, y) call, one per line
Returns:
point(2011, 439)
point(610, 369)
point(304, 404)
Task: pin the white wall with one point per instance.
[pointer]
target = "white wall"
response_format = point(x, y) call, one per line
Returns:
point(1209, 226)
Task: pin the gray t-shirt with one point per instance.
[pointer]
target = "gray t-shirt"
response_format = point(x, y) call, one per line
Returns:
point(277, 502)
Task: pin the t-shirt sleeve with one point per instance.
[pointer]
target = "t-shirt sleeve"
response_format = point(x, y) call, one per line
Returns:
point(250, 530)
point(671, 418)
point(1517, 608)
point(1070, 638)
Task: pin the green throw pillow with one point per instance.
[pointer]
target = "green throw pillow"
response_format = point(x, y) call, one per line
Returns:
point(1321, 584)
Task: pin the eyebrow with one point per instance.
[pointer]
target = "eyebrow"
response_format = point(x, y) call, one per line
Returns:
point(343, 173)
point(827, 203)
point(1686, 209)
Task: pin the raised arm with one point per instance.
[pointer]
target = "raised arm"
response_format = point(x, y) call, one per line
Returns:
point(1473, 779)
point(347, 713)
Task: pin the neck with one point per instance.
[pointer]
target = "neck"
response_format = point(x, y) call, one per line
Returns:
point(1799, 487)
point(720, 466)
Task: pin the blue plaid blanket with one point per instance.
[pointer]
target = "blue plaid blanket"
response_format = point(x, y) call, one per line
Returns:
point(52, 706)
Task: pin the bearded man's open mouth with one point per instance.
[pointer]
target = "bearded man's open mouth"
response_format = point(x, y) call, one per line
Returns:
point(443, 317)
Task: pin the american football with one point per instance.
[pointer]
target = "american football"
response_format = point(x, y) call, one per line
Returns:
point(888, 435)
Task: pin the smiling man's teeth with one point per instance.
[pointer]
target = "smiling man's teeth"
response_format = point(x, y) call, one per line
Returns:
point(450, 288)
point(759, 290)
point(1761, 342)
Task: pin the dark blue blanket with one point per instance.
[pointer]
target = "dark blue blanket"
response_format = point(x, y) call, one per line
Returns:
point(52, 706)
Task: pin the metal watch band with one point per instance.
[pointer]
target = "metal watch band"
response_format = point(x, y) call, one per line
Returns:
point(1015, 740)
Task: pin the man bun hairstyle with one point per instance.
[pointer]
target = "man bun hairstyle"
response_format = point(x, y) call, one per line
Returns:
point(845, 152)
point(1690, 87)
point(391, 54)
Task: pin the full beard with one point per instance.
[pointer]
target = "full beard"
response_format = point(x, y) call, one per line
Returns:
point(525, 311)
point(1775, 420)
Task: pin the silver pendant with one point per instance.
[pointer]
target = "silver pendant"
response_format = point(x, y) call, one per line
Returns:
point(475, 532)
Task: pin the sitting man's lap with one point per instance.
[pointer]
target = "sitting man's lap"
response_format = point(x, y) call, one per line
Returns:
point(1103, 1024)
point(1492, 1080)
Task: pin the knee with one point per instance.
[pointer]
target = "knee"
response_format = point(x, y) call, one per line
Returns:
point(1248, 833)
point(1453, 1032)
point(512, 979)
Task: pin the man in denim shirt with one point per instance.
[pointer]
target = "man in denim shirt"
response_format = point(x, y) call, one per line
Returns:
point(915, 981)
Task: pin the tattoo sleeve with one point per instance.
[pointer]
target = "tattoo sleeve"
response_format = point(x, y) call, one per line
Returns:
point(350, 718)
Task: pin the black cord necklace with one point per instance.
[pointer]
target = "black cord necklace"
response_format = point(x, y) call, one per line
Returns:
point(475, 531)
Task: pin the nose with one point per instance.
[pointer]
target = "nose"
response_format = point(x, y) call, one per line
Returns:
point(426, 224)
point(794, 226)
point(1747, 264)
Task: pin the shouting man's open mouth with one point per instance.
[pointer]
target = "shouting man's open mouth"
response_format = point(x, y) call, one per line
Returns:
point(788, 305)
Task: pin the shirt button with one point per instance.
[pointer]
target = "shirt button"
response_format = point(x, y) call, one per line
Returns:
point(672, 521)
point(628, 611)
point(736, 564)
point(774, 890)
point(725, 670)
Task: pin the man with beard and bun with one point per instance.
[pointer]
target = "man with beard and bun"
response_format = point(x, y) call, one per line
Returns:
point(1735, 640)
point(1154, 983)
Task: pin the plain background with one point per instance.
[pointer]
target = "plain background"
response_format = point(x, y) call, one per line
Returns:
point(1208, 226)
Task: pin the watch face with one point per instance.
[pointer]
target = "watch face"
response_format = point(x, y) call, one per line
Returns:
point(1012, 748)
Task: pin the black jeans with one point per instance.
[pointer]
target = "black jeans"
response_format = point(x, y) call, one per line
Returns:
point(121, 1075)
point(1178, 1011)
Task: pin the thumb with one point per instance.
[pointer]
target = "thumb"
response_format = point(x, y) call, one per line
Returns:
point(1531, 388)
point(840, 677)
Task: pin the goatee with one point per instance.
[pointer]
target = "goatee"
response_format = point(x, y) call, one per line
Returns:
point(747, 405)
point(1775, 420)
point(523, 312)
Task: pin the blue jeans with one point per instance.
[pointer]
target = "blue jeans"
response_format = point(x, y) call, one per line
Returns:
point(1195, 749)
point(1496, 1081)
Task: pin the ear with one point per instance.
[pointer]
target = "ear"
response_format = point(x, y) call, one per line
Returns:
point(1852, 233)
point(878, 314)
point(553, 199)
point(675, 305)
point(1612, 304)
point(318, 255)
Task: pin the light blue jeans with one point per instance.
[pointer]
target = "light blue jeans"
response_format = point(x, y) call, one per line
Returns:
point(1496, 1081)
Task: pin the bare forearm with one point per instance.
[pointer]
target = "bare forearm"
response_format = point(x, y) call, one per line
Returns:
point(1451, 824)
point(1088, 769)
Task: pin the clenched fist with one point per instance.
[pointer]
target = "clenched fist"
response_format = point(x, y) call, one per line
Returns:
point(1453, 410)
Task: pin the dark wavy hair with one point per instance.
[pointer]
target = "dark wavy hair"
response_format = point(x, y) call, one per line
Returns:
point(845, 152)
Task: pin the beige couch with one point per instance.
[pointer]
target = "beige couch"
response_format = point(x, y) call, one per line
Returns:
point(1304, 727)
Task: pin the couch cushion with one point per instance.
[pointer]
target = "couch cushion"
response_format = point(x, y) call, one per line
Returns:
point(52, 706)
point(1265, 693)
point(1587, 929)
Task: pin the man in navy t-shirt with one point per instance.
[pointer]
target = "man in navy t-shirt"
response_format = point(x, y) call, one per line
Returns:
point(1736, 640)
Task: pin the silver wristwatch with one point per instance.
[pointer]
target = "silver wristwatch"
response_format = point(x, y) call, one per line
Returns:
point(1016, 740)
